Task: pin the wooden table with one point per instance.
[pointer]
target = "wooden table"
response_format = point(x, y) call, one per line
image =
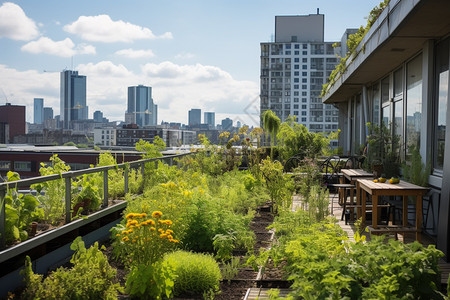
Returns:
point(352, 175)
point(403, 189)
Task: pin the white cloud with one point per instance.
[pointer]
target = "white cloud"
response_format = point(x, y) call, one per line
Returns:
point(102, 29)
point(64, 48)
point(14, 24)
point(176, 89)
point(130, 53)
point(184, 55)
point(104, 69)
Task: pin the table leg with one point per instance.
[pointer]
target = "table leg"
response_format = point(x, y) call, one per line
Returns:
point(375, 211)
point(363, 207)
point(419, 215)
point(358, 201)
point(405, 211)
point(352, 194)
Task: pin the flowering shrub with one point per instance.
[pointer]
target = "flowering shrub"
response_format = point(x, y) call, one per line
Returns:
point(144, 239)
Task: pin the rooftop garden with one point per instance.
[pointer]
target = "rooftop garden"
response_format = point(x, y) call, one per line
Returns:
point(187, 227)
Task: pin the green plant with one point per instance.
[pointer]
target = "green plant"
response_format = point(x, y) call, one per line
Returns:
point(230, 269)
point(271, 124)
point(150, 281)
point(224, 245)
point(352, 43)
point(51, 193)
point(20, 211)
point(196, 273)
point(416, 171)
point(87, 196)
point(115, 176)
point(144, 239)
point(91, 277)
point(279, 185)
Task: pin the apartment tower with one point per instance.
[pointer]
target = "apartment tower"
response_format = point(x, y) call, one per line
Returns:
point(293, 69)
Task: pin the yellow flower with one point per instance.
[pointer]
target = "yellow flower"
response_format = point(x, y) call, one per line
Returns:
point(125, 239)
point(152, 228)
point(118, 234)
point(168, 222)
point(162, 235)
point(143, 215)
point(130, 215)
point(174, 241)
point(170, 237)
point(160, 230)
point(157, 214)
point(169, 231)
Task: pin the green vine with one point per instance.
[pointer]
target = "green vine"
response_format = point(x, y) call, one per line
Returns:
point(352, 43)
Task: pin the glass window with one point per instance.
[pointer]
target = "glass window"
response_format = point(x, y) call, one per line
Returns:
point(398, 119)
point(413, 103)
point(5, 165)
point(442, 69)
point(398, 82)
point(22, 166)
point(376, 104)
point(385, 101)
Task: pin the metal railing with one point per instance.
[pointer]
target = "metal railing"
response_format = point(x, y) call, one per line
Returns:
point(67, 176)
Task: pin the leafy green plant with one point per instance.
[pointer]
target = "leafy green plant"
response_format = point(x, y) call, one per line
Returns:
point(224, 245)
point(271, 124)
point(91, 277)
point(230, 269)
point(150, 281)
point(87, 196)
point(115, 176)
point(279, 185)
point(51, 193)
point(323, 264)
point(416, 171)
point(20, 211)
point(352, 43)
point(196, 273)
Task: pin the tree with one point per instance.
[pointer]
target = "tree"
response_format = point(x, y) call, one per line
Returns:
point(271, 124)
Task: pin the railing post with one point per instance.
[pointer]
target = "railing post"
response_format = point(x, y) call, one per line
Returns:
point(171, 161)
point(2, 219)
point(125, 174)
point(143, 175)
point(105, 188)
point(68, 199)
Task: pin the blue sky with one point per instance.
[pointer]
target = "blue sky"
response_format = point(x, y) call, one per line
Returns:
point(194, 54)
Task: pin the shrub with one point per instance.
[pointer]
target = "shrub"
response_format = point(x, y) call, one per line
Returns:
point(150, 281)
point(90, 278)
point(196, 274)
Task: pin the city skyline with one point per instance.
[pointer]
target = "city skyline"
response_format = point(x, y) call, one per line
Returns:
point(189, 52)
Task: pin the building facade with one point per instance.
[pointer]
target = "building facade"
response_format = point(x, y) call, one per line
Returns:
point(210, 119)
point(72, 98)
point(141, 108)
point(227, 124)
point(195, 117)
point(38, 110)
point(14, 117)
point(48, 113)
point(399, 77)
point(293, 70)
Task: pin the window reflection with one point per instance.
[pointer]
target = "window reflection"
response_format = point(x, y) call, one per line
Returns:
point(414, 103)
point(442, 77)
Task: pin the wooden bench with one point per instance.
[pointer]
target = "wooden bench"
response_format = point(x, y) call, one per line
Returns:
point(392, 229)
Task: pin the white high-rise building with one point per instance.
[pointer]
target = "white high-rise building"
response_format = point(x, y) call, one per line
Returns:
point(293, 69)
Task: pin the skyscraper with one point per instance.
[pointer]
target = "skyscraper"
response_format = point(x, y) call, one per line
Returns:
point(98, 116)
point(227, 124)
point(38, 110)
point(141, 109)
point(293, 70)
point(48, 113)
point(210, 119)
point(195, 117)
point(73, 97)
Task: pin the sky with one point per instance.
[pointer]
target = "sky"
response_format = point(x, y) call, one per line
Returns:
point(193, 53)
